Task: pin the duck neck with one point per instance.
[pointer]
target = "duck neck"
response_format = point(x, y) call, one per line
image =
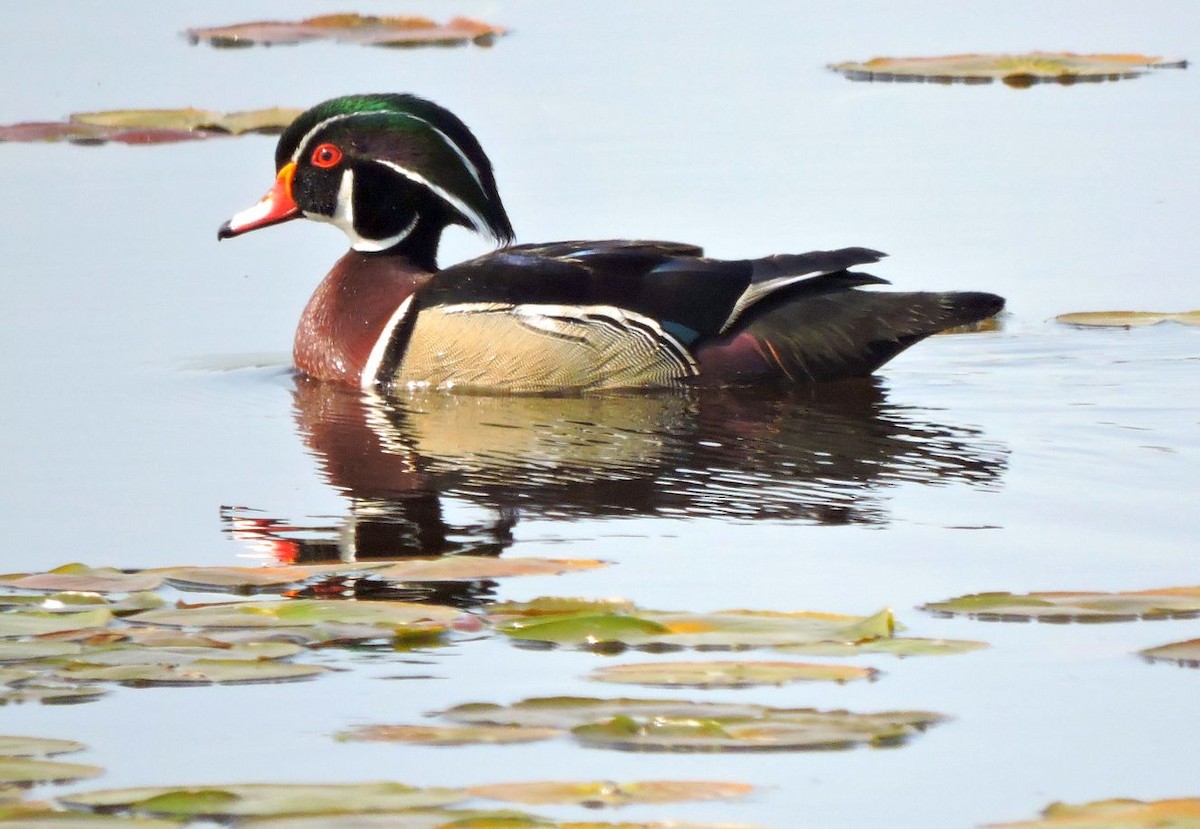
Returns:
point(356, 305)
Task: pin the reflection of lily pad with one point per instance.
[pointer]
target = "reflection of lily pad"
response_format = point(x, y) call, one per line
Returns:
point(444, 735)
point(1186, 654)
point(395, 617)
point(607, 793)
point(150, 126)
point(1181, 813)
point(352, 28)
point(1166, 603)
point(727, 674)
point(676, 725)
point(1014, 70)
point(1127, 319)
point(83, 578)
point(28, 770)
point(723, 629)
point(265, 799)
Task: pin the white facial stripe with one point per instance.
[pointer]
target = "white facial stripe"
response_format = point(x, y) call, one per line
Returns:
point(370, 370)
point(452, 200)
point(303, 145)
point(470, 165)
point(343, 220)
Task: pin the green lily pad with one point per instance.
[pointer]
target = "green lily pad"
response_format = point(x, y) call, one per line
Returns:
point(11, 746)
point(678, 725)
point(42, 815)
point(23, 651)
point(558, 606)
point(1021, 70)
point(896, 645)
point(75, 601)
point(194, 672)
point(17, 623)
point(473, 568)
point(82, 578)
point(1185, 654)
point(264, 799)
point(413, 819)
point(606, 793)
point(1127, 319)
point(447, 735)
point(49, 691)
point(1166, 603)
point(727, 674)
point(1181, 813)
point(723, 629)
point(394, 617)
point(351, 28)
point(28, 770)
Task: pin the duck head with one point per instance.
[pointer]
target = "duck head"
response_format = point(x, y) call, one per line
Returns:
point(391, 171)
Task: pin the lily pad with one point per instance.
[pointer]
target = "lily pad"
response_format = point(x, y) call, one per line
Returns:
point(1185, 654)
point(1180, 813)
point(414, 819)
point(723, 629)
point(16, 623)
point(75, 601)
point(351, 28)
point(1166, 603)
point(396, 618)
point(264, 799)
point(1019, 70)
point(195, 672)
point(150, 126)
point(677, 725)
point(1127, 319)
point(23, 651)
point(42, 815)
point(896, 646)
point(255, 579)
point(81, 577)
point(473, 568)
point(11, 746)
point(49, 691)
point(445, 735)
point(727, 674)
point(28, 770)
point(606, 793)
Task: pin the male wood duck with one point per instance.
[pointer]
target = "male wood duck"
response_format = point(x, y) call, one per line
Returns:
point(393, 171)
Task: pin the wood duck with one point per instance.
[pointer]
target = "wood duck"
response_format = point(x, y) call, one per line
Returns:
point(393, 171)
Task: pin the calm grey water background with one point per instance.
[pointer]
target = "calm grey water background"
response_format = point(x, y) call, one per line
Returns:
point(125, 431)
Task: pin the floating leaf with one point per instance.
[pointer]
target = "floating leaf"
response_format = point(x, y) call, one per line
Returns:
point(265, 799)
point(150, 126)
point(81, 577)
point(14, 623)
point(472, 568)
point(27, 770)
point(606, 793)
point(41, 815)
point(557, 606)
point(416, 819)
point(352, 28)
point(49, 692)
point(1014, 70)
point(1186, 654)
point(36, 649)
point(1127, 319)
point(74, 601)
point(193, 672)
point(1182, 813)
point(675, 725)
point(1166, 603)
point(728, 674)
point(252, 579)
point(723, 629)
point(896, 645)
point(11, 746)
point(395, 617)
point(443, 735)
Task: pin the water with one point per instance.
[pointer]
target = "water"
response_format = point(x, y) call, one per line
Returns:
point(148, 403)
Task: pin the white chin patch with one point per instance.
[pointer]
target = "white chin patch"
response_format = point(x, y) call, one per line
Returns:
point(343, 220)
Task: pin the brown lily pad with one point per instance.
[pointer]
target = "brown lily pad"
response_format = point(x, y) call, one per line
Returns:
point(150, 126)
point(1019, 70)
point(473, 568)
point(727, 674)
point(351, 28)
point(1165, 603)
point(1185, 654)
point(256, 579)
point(1127, 319)
point(81, 577)
point(1180, 813)
point(26, 770)
point(598, 793)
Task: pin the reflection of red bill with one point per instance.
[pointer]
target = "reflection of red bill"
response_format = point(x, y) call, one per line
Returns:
point(275, 207)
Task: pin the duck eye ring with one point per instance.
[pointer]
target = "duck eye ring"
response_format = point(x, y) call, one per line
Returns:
point(326, 156)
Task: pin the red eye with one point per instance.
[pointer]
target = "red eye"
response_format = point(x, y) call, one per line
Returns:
point(326, 155)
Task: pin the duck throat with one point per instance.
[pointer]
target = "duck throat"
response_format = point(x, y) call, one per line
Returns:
point(352, 309)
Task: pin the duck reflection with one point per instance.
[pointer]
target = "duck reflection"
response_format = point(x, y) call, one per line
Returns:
point(826, 454)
